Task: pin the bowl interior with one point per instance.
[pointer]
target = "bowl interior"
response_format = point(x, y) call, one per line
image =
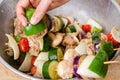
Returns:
point(106, 12)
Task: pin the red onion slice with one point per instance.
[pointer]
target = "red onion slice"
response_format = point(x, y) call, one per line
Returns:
point(75, 67)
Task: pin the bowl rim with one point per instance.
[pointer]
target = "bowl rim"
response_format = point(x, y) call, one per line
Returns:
point(9, 67)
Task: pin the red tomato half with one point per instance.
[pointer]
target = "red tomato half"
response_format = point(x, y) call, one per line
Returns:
point(86, 28)
point(110, 38)
point(23, 45)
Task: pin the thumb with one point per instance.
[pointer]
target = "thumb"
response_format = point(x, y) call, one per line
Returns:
point(40, 11)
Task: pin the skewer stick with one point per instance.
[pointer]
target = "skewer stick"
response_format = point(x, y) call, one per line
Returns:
point(111, 62)
point(117, 49)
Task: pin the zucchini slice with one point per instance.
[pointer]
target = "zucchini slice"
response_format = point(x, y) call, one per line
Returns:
point(13, 44)
point(26, 65)
point(58, 24)
point(55, 54)
point(49, 69)
point(46, 43)
point(70, 29)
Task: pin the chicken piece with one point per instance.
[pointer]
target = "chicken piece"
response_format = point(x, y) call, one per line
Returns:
point(88, 35)
point(87, 41)
point(90, 49)
point(70, 47)
point(103, 37)
point(34, 45)
point(65, 69)
point(34, 42)
point(18, 27)
point(68, 40)
point(70, 54)
point(74, 36)
point(43, 33)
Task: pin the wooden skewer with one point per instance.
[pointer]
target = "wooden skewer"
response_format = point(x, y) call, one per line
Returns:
point(117, 49)
point(111, 62)
point(29, 73)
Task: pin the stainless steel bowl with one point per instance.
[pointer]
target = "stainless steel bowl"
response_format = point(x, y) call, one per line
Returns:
point(106, 12)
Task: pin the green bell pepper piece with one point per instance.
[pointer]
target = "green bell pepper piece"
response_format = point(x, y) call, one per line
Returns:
point(96, 30)
point(97, 65)
point(17, 38)
point(33, 29)
point(95, 37)
point(108, 48)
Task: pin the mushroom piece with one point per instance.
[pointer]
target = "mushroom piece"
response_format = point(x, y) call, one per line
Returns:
point(70, 39)
point(58, 39)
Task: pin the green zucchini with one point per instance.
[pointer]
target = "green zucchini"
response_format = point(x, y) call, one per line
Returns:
point(49, 70)
point(70, 29)
point(46, 43)
point(55, 54)
point(58, 24)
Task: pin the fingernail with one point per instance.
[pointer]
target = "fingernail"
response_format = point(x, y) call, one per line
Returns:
point(33, 21)
point(23, 23)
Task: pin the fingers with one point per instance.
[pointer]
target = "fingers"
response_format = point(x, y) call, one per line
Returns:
point(22, 4)
point(35, 3)
point(40, 11)
point(57, 3)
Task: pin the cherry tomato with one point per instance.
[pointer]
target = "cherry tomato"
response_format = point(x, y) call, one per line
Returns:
point(33, 60)
point(23, 45)
point(86, 28)
point(110, 38)
point(33, 70)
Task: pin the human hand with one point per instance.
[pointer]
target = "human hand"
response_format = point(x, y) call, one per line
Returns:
point(42, 6)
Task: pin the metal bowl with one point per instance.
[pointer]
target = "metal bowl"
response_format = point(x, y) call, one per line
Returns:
point(106, 12)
